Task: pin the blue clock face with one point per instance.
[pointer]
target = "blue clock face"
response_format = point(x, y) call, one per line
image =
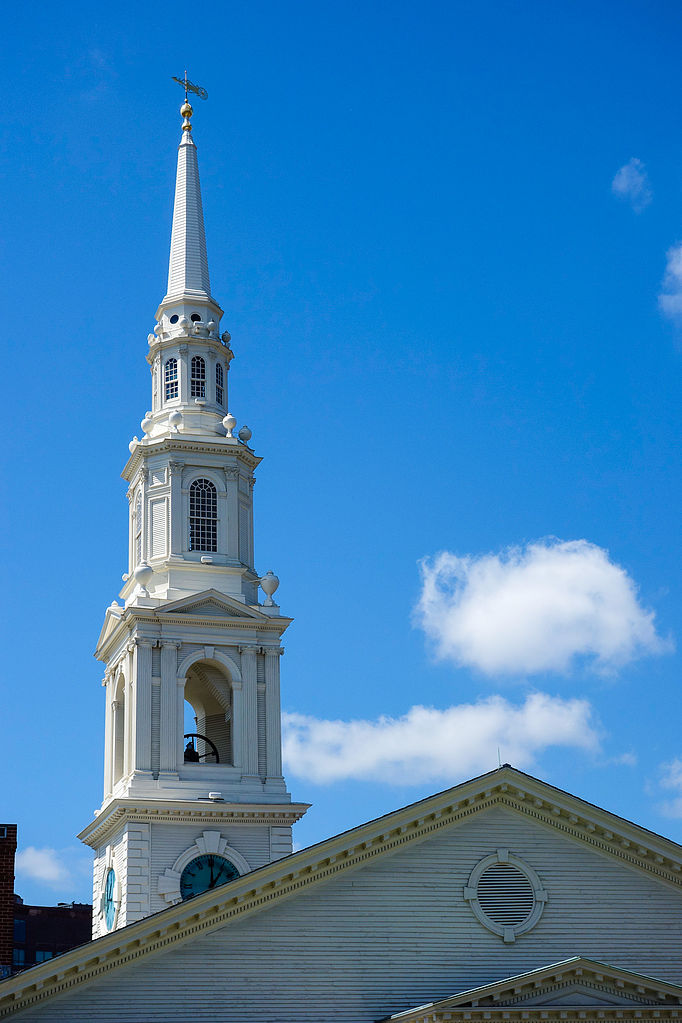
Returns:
point(206, 872)
point(109, 903)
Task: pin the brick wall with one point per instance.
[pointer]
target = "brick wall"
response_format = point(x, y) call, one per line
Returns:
point(8, 847)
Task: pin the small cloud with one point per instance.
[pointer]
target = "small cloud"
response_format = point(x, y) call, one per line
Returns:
point(632, 184)
point(429, 745)
point(670, 299)
point(625, 760)
point(534, 609)
point(671, 779)
point(53, 867)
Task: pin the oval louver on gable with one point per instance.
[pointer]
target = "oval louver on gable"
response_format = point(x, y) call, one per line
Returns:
point(505, 895)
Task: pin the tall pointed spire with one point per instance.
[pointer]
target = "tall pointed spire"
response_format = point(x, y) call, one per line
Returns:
point(188, 266)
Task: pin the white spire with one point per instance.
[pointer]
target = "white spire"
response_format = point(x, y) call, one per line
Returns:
point(188, 266)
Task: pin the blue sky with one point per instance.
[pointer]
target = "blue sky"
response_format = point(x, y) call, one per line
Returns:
point(441, 233)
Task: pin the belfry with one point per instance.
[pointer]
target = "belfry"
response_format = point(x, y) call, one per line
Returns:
point(187, 808)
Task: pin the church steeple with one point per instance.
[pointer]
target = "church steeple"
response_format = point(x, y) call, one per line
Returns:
point(188, 267)
point(193, 786)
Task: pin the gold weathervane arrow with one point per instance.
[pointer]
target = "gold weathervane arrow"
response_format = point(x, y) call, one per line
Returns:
point(191, 87)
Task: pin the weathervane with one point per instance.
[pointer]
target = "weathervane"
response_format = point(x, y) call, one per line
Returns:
point(191, 87)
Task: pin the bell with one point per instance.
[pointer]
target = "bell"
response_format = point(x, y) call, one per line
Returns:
point(191, 755)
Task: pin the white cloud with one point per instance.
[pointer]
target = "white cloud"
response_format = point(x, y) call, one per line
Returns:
point(670, 299)
point(533, 609)
point(50, 866)
point(429, 745)
point(672, 780)
point(632, 184)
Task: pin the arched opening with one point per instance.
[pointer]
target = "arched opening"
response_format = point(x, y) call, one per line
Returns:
point(119, 728)
point(208, 715)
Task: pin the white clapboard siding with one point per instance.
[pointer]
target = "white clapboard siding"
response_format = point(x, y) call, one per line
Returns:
point(394, 934)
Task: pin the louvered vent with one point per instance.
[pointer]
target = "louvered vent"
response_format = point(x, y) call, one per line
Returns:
point(505, 895)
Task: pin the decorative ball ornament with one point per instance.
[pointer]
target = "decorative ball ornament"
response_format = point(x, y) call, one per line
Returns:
point(147, 422)
point(143, 574)
point(245, 434)
point(183, 322)
point(211, 325)
point(133, 444)
point(175, 420)
point(268, 585)
point(229, 422)
point(186, 110)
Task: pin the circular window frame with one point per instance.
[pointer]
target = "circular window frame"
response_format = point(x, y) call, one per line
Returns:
point(503, 856)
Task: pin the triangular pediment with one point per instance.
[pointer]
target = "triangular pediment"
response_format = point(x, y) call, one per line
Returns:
point(112, 617)
point(576, 982)
point(211, 604)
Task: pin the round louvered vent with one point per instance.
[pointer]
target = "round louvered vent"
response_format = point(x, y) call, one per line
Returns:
point(505, 895)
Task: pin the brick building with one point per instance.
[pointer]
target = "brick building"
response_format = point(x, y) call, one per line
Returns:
point(34, 934)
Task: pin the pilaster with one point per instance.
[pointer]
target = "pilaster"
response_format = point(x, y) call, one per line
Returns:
point(250, 716)
point(273, 725)
point(168, 759)
point(143, 715)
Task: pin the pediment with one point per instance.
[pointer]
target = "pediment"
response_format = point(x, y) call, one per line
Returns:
point(211, 604)
point(574, 982)
point(112, 617)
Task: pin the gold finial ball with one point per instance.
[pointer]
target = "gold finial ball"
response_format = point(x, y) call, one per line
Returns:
point(186, 110)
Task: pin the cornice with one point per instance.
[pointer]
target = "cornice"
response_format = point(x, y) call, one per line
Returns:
point(185, 811)
point(293, 874)
point(177, 443)
point(643, 1014)
point(133, 617)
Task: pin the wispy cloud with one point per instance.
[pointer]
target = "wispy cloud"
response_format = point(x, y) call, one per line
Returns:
point(671, 779)
point(670, 299)
point(534, 609)
point(53, 867)
point(429, 745)
point(631, 183)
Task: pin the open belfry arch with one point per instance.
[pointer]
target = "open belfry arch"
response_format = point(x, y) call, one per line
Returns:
point(190, 643)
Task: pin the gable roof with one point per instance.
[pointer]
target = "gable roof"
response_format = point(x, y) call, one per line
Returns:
point(568, 984)
point(213, 604)
point(596, 828)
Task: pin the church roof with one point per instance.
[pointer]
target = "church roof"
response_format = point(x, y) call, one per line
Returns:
point(266, 886)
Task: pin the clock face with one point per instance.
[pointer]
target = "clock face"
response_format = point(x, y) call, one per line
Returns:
point(204, 873)
point(109, 902)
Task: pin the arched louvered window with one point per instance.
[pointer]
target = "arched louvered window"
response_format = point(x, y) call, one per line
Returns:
point(170, 378)
point(138, 529)
point(219, 384)
point(198, 378)
point(203, 516)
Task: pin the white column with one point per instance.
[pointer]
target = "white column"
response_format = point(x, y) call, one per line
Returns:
point(168, 759)
point(143, 708)
point(273, 714)
point(237, 724)
point(183, 373)
point(250, 716)
point(180, 718)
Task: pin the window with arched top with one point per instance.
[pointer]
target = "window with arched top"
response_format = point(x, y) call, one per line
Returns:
point(219, 384)
point(170, 378)
point(138, 529)
point(203, 516)
point(198, 377)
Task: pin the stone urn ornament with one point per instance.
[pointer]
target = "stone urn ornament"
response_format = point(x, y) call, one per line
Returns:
point(268, 585)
